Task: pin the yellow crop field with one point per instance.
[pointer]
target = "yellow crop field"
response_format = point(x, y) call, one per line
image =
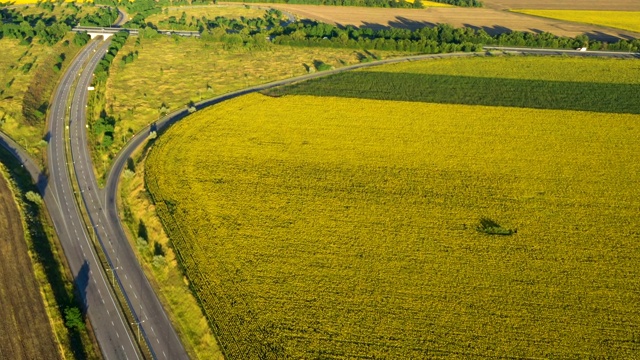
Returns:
point(547, 68)
point(626, 20)
point(33, 2)
point(324, 227)
point(165, 73)
point(432, 4)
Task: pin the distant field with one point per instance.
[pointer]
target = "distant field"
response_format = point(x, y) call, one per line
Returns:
point(346, 228)
point(629, 5)
point(21, 2)
point(493, 21)
point(25, 328)
point(527, 82)
point(626, 20)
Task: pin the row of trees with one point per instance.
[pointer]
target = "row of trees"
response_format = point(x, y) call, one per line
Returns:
point(437, 39)
point(49, 29)
point(24, 32)
point(104, 17)
point(463, 3)
point(103, 126)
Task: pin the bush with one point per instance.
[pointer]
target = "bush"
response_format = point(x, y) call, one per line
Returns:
point(491, 227)
point(73, 318)
point(34, 197)
point(159, 261)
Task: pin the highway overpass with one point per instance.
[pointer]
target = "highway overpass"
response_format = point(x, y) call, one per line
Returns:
point(107, 32)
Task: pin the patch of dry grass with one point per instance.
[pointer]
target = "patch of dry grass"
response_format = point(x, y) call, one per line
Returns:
point(208, 11)
point(15, 82)
point(175, 72)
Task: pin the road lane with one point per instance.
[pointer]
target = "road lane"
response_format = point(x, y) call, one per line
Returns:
point(100, 306)
point(155, 326)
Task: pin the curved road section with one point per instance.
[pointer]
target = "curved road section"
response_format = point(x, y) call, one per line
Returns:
point(140, 138)
point(154, 325)
point(99, 304)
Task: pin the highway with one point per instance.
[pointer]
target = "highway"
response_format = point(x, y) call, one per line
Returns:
point(100, 306)
point(154, 324)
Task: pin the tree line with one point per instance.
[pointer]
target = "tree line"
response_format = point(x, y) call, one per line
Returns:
point(438, 39)
point(46, 27)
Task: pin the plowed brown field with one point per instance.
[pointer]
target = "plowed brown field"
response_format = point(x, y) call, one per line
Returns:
point(25, 332)
point(493, 21)
point(628, 5)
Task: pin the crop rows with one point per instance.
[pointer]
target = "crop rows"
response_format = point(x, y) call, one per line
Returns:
point(420, 82)
point(325, 227)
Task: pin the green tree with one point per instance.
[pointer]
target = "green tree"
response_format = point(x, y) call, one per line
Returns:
point(73, 318)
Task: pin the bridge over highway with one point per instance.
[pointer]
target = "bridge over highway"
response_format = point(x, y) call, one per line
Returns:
point(107, 32)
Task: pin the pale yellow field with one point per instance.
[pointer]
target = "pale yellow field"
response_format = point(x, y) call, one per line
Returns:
point(626, 20)
point(565, 69)
point(22, 2)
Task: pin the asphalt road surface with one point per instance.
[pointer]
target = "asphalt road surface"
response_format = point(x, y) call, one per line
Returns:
point(109, 325)
point(155, 326)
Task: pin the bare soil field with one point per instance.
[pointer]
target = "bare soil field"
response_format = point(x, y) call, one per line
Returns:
point(25, 331)
point(627, 5)
point(492, 21)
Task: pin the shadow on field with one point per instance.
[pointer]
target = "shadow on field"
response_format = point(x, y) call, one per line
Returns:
point(43, 248)
point(404, 23)
point(600, 36)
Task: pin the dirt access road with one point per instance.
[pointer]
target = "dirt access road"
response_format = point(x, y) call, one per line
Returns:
point(491, 20)
point(25, 331)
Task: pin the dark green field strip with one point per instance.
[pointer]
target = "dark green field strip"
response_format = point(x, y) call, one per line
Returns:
point(538, 94)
